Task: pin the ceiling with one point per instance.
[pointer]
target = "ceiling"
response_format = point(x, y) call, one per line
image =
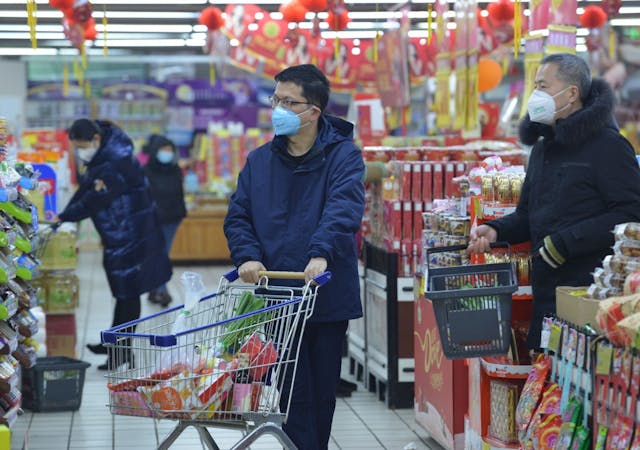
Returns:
point(170, 27)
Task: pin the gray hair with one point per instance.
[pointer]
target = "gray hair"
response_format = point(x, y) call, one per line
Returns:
point(572, 70)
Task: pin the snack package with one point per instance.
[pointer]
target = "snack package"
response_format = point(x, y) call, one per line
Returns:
point(171, 398)
point(613, 310)
point(629, 327)
point(620, 437)
point(502, 424)
point(549, 405)
point(582, 439)
point(635, 444)
point(624, 231)
point(631, 284)
point(252, 346)
point(531, 393)
point(627, 248)
point(129, 403)
point(601, 438)
point(546, 435)
point(153, 379)
point(570, 419)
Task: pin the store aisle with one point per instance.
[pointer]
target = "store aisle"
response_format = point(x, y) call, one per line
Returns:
point(361, 422)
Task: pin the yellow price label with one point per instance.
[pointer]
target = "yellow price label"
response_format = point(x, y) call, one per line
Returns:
point(554, 338)
point(604, 355)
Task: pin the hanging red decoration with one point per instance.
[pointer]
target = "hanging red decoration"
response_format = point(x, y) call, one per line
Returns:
point(338, 21)
point(82, 11)
point(489, 74)
point(611, 7)
point(500, 11)
point(211, 17)
point(90, 32)
point(314, 5)
point(593, 17)
point(293, 11)
point(61, 4)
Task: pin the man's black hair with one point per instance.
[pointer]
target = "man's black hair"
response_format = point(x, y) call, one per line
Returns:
point(84, 130)
point(315, 86)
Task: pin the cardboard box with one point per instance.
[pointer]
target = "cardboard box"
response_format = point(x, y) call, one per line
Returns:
point(574, 307)
point(416, 181)
point(61, 335)
point(427, 183)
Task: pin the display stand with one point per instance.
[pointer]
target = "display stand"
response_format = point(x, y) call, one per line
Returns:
point(387, 360)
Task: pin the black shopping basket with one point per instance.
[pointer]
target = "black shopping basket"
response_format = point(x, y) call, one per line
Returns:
point(472, 305)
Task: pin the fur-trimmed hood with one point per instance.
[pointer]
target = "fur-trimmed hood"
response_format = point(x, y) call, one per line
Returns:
point(596, 113)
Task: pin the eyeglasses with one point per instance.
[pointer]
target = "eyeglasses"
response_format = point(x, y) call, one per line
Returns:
point(285, 102)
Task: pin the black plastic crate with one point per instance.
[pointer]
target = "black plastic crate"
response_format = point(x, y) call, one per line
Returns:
point(472, 305)
point(54, 384)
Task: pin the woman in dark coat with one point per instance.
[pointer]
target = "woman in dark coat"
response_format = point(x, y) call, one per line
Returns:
point(165, 180)
point(114, 193)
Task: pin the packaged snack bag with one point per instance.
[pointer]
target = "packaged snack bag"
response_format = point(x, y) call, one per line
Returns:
point(613, 310)
point(260, 364)
point(546, 436)
point(129, 403)
point(153, 379)
point(570, 419)
point(601, 439)
point(173, 397)
point(530, 395)
point(620, 438)
point(582, 439)
point(549, 405)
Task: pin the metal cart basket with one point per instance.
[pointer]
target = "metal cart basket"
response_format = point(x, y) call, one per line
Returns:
point(197, 376)
point(472, 305)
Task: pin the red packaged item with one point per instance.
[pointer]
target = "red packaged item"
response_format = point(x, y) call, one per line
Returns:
point(265, 359)
point(449, 174)
point(214, 386)
point(407, 221)
point(417, 221)
point(461, 169)
point(546, 435)
point(406, 260)
point(549, 405)
point(620, 438)
point(392, 218)
point(252, 346)
point(154, 378)
point(129, 403)
point(405, 182)
point(438, 181)
point(427, 182)
point(416, 181)
point(531, 392)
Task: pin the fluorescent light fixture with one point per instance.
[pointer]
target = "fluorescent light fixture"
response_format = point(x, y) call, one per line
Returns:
point(624, 22)
point(200, 29)
point(196, 42)
point(141, 15)
point(355, 50)
point(348, 34)
point(27, 36)
point(25, 27)
point(581, 48)
point(629, 10)
point(140, 28)
point(141, 42)
point(201, 36)
point(23, 14)
point(17, 51)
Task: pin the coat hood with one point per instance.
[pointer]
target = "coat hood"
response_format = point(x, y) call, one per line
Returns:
point(120, 145)
point(596, 113)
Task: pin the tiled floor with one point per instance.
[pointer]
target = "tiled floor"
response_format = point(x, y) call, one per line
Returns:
point(360, 422)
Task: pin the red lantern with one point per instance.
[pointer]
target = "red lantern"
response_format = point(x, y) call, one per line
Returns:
point(314, 5)
point(61, 4)
point(611, 7)
point(593, 17)
point(501, 11)
point(293, 11)
point(338, 21)
point(74, 32)
point(90, 32)
point(82, 11)
point(211, 17)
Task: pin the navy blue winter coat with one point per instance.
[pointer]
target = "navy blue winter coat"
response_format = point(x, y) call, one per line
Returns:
point(124, 215)
point(285, 212)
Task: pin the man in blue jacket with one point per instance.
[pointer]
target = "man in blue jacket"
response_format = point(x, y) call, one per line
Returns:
point(298, 206)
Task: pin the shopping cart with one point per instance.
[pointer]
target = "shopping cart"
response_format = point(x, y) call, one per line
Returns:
point(194, 376)
point(472, 305)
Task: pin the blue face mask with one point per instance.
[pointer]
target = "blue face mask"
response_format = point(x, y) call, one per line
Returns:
point(285, 122)
point(165, 157)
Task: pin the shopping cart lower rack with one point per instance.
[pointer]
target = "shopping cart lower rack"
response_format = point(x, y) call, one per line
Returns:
point(234, 365)
point(472, 306)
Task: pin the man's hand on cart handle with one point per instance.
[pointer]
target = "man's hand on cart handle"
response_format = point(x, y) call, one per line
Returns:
point(481, 239)
point(248, 271)
point(316, 266)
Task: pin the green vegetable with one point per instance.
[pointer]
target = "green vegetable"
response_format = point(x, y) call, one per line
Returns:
point(238, 330)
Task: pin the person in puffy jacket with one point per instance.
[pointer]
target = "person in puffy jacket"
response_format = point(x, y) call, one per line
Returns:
point(298, 205)
point(165, 180)
point(114, 193)
point(582, 180)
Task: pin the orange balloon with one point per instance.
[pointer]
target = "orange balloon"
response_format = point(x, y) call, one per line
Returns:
point(489, 74)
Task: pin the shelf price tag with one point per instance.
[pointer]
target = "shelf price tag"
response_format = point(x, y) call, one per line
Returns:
point(554, 337)
point(604, 355)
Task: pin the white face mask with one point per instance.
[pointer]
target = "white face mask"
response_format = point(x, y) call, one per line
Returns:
point(542, 108)
point(86, 154)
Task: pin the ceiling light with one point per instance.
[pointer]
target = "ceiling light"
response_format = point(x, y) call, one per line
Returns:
point(140, 28)
point(141, 42)
point(15, 51)
point(355, 50)
point(196, 42)
point(26, 36)
point(141, 15)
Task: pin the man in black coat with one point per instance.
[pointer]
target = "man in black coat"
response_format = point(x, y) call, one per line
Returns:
point(582, 180)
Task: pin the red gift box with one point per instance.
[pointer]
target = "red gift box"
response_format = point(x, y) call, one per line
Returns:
point(260, 365)
point(449, 174)
point(438, 181)
point(407, 220)
point(405, 181)
point(416, 182)
point(427, 182)
point(392, 219)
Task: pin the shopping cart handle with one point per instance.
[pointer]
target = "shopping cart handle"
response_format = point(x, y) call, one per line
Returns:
point(231, 276)
point(456, 248)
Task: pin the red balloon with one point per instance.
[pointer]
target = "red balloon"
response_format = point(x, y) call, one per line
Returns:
point(211, 17)
point(314, 5)
point(293, 11)
point(489, 74)
point(338, 22)
point(593, 17)
point(61, 4)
